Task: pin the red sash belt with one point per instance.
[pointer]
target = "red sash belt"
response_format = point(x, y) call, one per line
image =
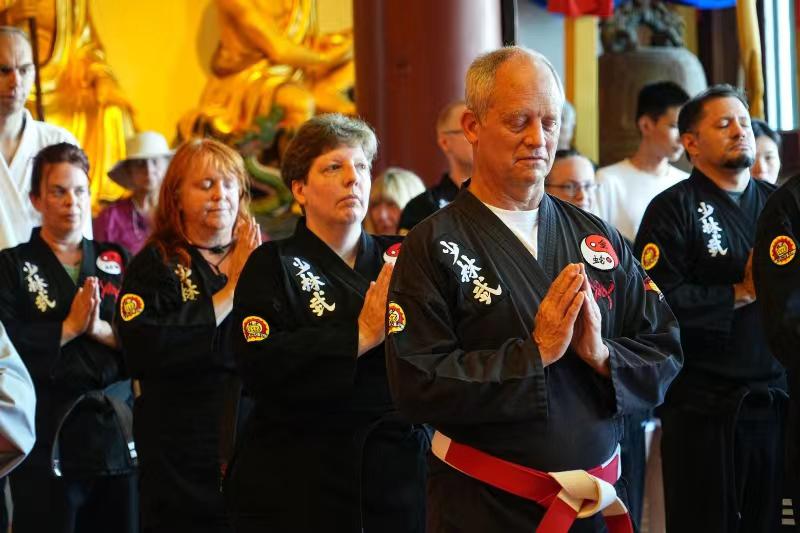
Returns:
point(566, 495)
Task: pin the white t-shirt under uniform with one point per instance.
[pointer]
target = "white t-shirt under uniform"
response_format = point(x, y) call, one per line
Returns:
point(523, 224)
point(624, 192)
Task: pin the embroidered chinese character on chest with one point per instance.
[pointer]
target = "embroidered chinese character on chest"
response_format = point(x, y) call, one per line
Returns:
point(711, 228)
point(312, 283)
point(188, 288)
point(470, 272)
point(38, 286)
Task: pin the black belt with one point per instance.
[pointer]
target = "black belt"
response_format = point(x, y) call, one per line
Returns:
point(124, 417)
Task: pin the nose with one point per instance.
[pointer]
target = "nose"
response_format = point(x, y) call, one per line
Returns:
point(534, 134)
point(737, 130)
point(217, 190)
point(580, 193)
point(350, 175)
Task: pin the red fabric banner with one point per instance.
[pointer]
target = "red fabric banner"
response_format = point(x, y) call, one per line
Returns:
point(575, 8)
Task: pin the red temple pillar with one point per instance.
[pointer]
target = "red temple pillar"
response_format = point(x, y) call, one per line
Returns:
point(411, 58)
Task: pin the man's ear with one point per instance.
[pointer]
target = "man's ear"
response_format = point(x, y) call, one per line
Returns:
point(645, 124)
point(470, 125)
point(689, 142)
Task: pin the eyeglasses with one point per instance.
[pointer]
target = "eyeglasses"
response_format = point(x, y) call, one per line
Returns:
point(453, 132)
point(571, 189)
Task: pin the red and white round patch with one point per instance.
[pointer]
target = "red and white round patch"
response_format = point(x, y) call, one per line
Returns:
point(255, 329)
point(391, 254)
point(110, 262)
point(397, 318)
point(598, 252)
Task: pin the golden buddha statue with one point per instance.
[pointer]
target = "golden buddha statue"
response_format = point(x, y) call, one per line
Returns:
point(271, 53)
point(79, 91)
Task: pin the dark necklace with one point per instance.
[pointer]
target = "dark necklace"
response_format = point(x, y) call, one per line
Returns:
point(224, 250)
point(216, 250)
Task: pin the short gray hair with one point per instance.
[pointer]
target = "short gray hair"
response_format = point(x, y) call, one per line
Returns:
point(320, 135)
point(482, 73)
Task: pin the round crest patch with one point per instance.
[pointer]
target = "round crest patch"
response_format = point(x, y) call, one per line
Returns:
point(255, 329)
point(130, 306)
point(650, 255)
point(598, 253)
point(782, 250)
point(391, 253)
point(397, 318)
point(110, 262)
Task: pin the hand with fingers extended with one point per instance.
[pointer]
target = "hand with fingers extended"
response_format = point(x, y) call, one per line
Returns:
point(555, 319)
point(81, 311)
point(372, 319)
point(587, 338)
point(248, 237)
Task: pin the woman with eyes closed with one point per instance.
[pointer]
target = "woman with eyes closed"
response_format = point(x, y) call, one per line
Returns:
point(173, 320)
point(324, 448)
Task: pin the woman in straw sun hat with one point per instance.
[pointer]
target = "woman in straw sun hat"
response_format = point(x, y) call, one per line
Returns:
point(128, 222)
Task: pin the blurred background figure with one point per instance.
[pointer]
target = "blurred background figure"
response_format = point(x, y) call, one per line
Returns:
point(391, 191)
point(173, 322)
point(567, 131)
point(572, 179)
point(768, 152)
point(128, 222)
point(458, 151)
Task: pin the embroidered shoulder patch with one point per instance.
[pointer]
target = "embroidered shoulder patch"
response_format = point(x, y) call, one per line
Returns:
point(650, 286)
point(130, 306)
point(110, 262)
point(650, 255)
point(396, 317)
point(392, 253)
point(255, 329)
point(598, 252)
point(782, 250)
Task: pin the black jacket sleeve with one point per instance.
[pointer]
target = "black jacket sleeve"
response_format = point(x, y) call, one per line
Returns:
point(778, 281)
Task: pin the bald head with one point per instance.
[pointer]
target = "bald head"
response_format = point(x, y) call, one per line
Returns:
point(482, 75)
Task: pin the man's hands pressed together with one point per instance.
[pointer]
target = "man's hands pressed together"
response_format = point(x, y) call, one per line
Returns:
point(569, 317)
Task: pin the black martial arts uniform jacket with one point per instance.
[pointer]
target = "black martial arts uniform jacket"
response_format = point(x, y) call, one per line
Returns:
point(324, 449)
point(83, 396)
point(461, 357)
point(694, 241)
point(776, 270)
point(185, 417)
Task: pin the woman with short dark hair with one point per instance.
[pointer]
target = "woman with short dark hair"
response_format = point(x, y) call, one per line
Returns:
point(324, 449)
point(57, 300)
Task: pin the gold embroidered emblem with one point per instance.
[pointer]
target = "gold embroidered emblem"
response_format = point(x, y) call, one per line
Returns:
point(38, 286)
point(188, 288)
